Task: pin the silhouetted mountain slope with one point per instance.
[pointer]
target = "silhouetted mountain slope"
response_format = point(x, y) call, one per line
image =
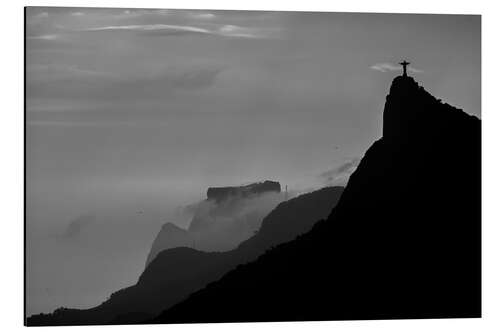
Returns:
point(404, 241)
point(176, 273)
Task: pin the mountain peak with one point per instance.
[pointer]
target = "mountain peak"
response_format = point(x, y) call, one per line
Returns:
point(403, 83)
point(411, 111)
point(404, 107)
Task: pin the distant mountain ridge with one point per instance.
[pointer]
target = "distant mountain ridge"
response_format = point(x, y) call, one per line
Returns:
point(404, 241)
point(175, 273)
point(228, 216)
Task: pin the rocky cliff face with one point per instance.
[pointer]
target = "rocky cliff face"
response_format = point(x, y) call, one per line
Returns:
point(404, 241)
point(219, 194)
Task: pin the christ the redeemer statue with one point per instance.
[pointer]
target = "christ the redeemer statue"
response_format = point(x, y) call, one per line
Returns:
point(404, 64)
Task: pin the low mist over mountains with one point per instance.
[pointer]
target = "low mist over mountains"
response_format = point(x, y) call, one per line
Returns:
point(227, 217)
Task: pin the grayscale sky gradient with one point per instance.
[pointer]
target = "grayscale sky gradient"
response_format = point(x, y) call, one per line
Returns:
point(134, 109)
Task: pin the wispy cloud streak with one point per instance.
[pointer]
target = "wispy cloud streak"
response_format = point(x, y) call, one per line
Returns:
point(389, 67)
point(340, 173)
point(43, 37)
point(169, 30)
point(149, 27)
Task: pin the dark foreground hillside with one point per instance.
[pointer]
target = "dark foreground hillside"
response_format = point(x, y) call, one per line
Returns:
point(404, 241)
point(176, 273)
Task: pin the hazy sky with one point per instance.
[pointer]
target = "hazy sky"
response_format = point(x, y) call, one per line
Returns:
point(144, 109)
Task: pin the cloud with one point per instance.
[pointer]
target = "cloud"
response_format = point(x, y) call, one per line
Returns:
point(222, 226)
point(41, 15)
point(44, 37)
point(151, 27)
point(162, 11)
point(77, 14)
point(242, 32)
point(51, 42)
point(94, 123)
point(128, 14)
point(388, 67)
point(75, 227)
point(35, 18)
point(177, 30)
point(340, 173)
point(51, 72)
point(203, 16)
point(59, 82)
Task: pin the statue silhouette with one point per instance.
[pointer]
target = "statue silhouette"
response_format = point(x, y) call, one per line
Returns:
point(404, 64)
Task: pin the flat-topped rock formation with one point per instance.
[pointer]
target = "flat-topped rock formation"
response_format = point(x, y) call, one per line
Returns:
point(223, 193)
